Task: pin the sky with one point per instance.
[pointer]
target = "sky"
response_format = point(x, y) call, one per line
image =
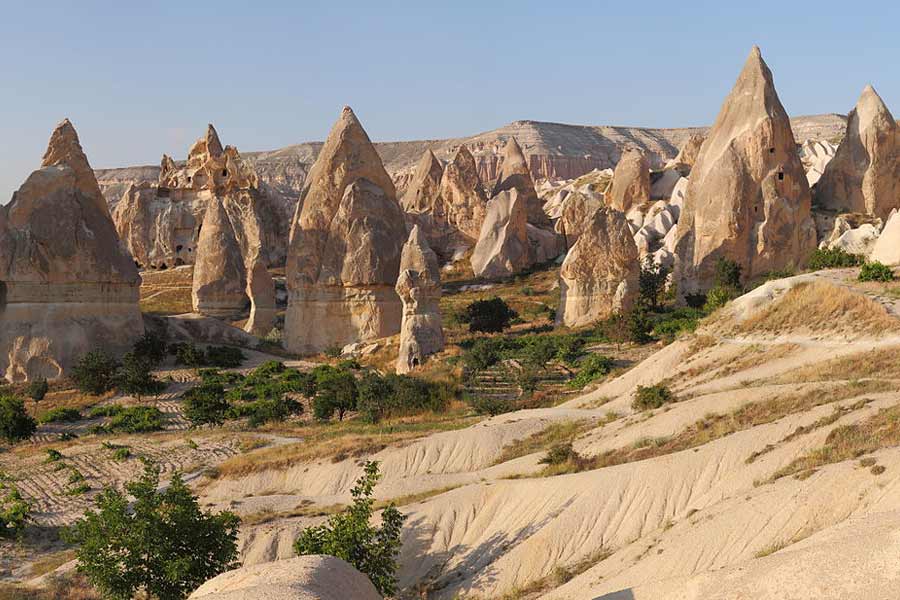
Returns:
point(142, 78)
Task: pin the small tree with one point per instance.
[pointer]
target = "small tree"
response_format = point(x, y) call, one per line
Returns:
point(15, 423)
point(38, 388)
point(351, 537)
point(95, 372)
point(134, 377)
point(652, 282)
point(162, 543)
point(151, 348)
point(14, 510)
point(488, 316)
point(335, 392)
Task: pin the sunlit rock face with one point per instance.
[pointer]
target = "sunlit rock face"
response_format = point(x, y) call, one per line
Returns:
point(419, 288)
point(67, 285)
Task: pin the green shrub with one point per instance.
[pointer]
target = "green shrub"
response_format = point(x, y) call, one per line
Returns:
point(336, 392)
point(136, 419)
point(266, 410)
point(488, 316)
point(106, 410)
point(651, 283)
point(134, 377)
point(728, 273)
point(333, 351)
point(875, 271)
point(833, 258)
point(591, 368)
point(38, 388)
point(559, 454)
point(121, 454)
point(162, 544)
point(15, 511)
point(484, 353)
point(351, 536)
point(224, 357)
point(718, 297)
point(188, 355)
point(652, 396)
point(53, 455)
point(680, 320)
point(95, 372)
point(58, 415)
point(150, 348)
point(205, 404)
point(15, 422)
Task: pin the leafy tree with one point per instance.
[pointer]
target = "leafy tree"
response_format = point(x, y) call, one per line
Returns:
point(728, 273)
point(15, 511)
point(351, 537)
point(374, 401)
point(151, 348)
point(652, 282)
point(134, 377)
point(335, 392)
point(188, 355)
point(590, 369)
point(225, 357)
point(490, 405)
point(161, 544)
point(488, 316)
point(136, 419)
point(95, 372)
point(38, 388)
point(205, 404)
point(15, 423)
point(639, 326)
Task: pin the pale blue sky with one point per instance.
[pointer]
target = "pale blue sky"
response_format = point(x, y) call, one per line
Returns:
point(140, 79)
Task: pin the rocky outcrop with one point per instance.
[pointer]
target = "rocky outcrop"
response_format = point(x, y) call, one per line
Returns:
point(344, 253)
point(503, 247)
point(218, 288)
point(631, 182)
point(423, 191)
point(67, 286)
point(864, 175)
point(599, 276)
point(419, 288)
point(815, 156)
point(515, 175)
point(301, 578)
point(854, 233)
point(748, 199)
point(577, 213)
point(886, 248)
point(687, 154)
point(261, 291)
point(464, 202)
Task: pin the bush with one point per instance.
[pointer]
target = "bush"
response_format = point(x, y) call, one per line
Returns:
point(392, 395)
point(728, 273)
point(53, 455)
point(718, 297)
point(107, 410)
point(559, 454)
point(266, 410)
point(224, 357)
point(832, 258)
point(14, 511)
point(490, 405)
point(95, 372)
point(593, 367)
point(134, 377)
point(335, 392)
point(161, 544)
point(188, 355)
point(136, 419)
point(205, 404)
point(651, 283)
point(680, 320)
point(150, 348)
point(58, 415)
point(875, 271)
point(38, 388)
point(333, 351)
point(351, 537)
point(15, 423)
point(652, 396)
point(639, 326)
point(484, 353)
point(488, 316)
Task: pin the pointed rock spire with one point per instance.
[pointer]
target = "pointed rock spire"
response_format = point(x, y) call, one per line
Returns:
point(514, 173)
point(213, 144)
point(503, 247)
point(748, 198)
point(463, 197)
point(864, 175)
point(631, 181)
point(419, 288)
point(424, 188)
point(219, 283)
point(64, 149)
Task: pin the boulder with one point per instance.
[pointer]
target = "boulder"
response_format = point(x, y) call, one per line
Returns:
point(423, 192)
point(419, 288)
point(344, 252)
point(218, 288)
point(546, 245)
point(748, 198)
point(864, 175)
point(886, 249)
point(599, 276)
point(860, 240)
point(503, 247)
point(311, 577)
point(515, 174)
point(630, 182)
point(662, 183)
point(67, 284)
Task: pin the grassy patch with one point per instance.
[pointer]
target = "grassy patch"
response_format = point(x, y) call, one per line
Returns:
point(555, 433)
point(880, 363)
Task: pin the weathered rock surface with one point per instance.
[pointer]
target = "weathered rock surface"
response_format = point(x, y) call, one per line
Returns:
point(600, 274)
point(748, 198)
point(346, 240)
point(419, 288)
point(261, 291)
point(577, 213)
point(687, 154)
point(515, 174)
point(503, 247)
point(464, 201)
point(302, 578)
point(218, 288)
point(423, 192)
point(815, 156)
point(864, 175)
point(67, 286)
point(631, 182)
point(886, 249)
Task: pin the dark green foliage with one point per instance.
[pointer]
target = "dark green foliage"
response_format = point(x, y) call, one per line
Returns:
point(120, 454)
point(53, 455)
point(490, 405)
point(639, 326)
point(486, 352)
point(59, 415)
point(381, 397)
point(351, 536)
point(832, 258)
point(136, 419)
point(333, 351)
point(559, 454)
point(569, 349)
point(205, 404)
point(679, 320)
point(717, 298)
point(875, 271)
point(188, 355)
point(134, 377)
point(224, 357)
point(335, 392)
point(652, 396)
point(38, 388)
point(162, 544)
point(591, 368)
point(488, 316)
point(651, 283)
point(15, 511)
point(95, 372)
point(266, 410)
point(106, 410)
point(728, 273)
point(150, 348)
point(15, 423)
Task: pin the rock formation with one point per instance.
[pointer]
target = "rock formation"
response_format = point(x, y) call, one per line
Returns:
point(748, 199)
point(687, 154)
point(600, 274)
point(344, 253)
point(503, 247)
point(218, 288)
point(463, 197)
point(515, 174)
point(864, 176)
point(261, 291)
point(423, 192)
point(886, 249)
point(815, 156)
point(67, 286)
point(631, 181)
point(577, 213)
point(419, 288)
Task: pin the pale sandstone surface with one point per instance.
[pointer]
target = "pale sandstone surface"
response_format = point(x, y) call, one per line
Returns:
point(218, 287)
point(503, 247)
point(886, 248)
point(419, 288)
point(630, 182)
point(515, 174)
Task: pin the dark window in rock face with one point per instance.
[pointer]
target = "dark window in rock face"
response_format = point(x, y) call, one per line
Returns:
point(163, 267)
point(415, 362)
point(178, 248)
point(771, 150)
point(224, 172)
point(781, 177)
point(189, 179)
point(2, 293)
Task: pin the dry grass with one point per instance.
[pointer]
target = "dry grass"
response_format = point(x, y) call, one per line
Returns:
point(820, 306)
point(74, 587)
point(414, 498)
point(849, 442)
point(880, 362)
point(69, 398)
point(304, 509)
point(555, 433)
point(51, 562)
point(174, 301)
